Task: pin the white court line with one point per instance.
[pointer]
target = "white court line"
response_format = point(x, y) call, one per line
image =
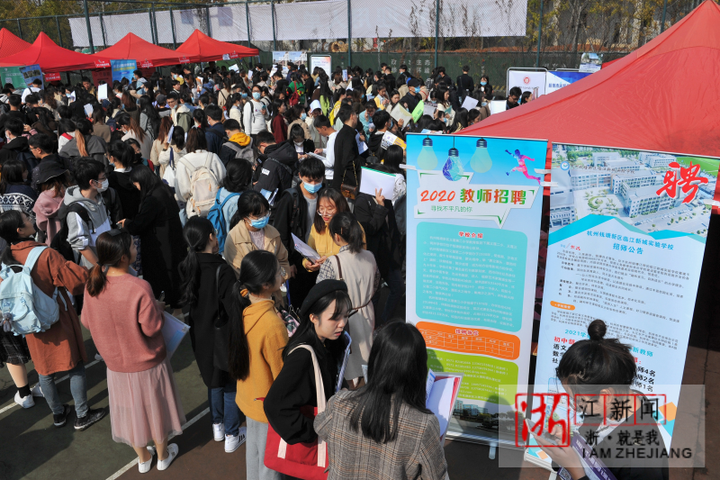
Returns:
point(187, 425)
point(13, 404)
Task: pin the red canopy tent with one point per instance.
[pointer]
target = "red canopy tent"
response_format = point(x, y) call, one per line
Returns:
point(147, 55)
point(201, 48)
point(660, 97)
point(11, 44)
point(52, 58)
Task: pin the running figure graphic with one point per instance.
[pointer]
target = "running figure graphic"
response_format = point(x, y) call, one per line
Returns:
point(521, 165)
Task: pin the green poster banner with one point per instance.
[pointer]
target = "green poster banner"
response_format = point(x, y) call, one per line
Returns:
point(12, 75)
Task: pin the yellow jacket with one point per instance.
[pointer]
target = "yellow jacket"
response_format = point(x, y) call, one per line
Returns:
point(324, 244)
point(266, 337)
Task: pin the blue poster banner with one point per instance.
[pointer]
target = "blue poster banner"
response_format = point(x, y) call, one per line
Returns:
point(627, 237)
point(473, 226)
point(123, 69)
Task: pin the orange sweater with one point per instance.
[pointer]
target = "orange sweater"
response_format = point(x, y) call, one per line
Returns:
point(266, 337)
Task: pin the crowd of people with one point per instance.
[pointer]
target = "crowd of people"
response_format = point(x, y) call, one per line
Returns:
point(194, 192)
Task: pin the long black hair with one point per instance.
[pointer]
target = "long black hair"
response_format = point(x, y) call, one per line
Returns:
point(345, 225)
point(196, 233)
point(588, 366)
point(122, 153)
point(238, 175)
point(12, 174)
point(10, 222)
point(154, 119)
point(257, 270)
point(250, 203)
point(146, 178)
point(397, 372)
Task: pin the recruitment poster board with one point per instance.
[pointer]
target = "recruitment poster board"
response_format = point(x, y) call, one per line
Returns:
point(627, 238)
point(528, 81)
point(12, 75)
point(31, 73)
point(281, 59)
point(322, 61)
point(474, 210)
point(555, 80)
point(123, 69)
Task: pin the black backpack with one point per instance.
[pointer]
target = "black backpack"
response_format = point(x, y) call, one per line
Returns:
point(60, 240)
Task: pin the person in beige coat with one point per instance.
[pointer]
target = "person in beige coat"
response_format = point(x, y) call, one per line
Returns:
point(357, 267)
point(249, 231)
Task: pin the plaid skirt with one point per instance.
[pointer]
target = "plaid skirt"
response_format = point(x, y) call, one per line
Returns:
point(13, 349)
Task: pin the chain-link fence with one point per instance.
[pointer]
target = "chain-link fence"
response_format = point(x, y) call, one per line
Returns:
point(488, 35)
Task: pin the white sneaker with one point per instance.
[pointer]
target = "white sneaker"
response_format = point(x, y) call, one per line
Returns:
point(37, 391)
point(144, 467)
point(25, 402)
point(172, 451)
point(232, 443)
point(218, 432)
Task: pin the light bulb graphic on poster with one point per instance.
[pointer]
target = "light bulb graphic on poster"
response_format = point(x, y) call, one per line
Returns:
point(473, 226)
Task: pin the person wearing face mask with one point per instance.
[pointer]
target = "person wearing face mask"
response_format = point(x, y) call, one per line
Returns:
point(250, 231)
point(255, 114)
point(411, 99)
point(302, 146)
point(296, 116)
point(277, 164)
point(294, 213)
point(485, 87)
point(91, 182)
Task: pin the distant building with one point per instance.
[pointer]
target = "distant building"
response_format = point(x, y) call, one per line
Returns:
point(655, 160)
point(582, 178)
point(600, 159)
point(644, 200)
point(458, 410)
point(622, 164)
point(621, 182)
point(471, 410)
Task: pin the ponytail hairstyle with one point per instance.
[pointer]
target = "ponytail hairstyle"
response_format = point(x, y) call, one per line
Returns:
point(258, 269)
point(111, 247)
point(345, 225)
point(196, 233)
point(83, 127)
point(589, 366)
point(10, 221)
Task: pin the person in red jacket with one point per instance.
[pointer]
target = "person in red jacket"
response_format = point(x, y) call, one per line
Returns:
point(279, 124)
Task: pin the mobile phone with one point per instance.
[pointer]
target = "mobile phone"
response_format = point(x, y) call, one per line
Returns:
point(545, 437)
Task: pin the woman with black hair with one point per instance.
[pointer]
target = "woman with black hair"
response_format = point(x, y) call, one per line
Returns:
point(129, 105)
point(121, 159)
point(461, 121)
point(173, 149)
point(323, 317)
point(157, 223)
point(356, 267)
point(302, 144)
point(279, 124)
point(15, 193)
point(132, 131)
point(149, 118)
point(65, 132)
point(207, 291)
point(238, 178)
point(257, 339)
point(601, 368)
point(383, 429)
point(200, 118)
point(144, 401)
point(84, 143)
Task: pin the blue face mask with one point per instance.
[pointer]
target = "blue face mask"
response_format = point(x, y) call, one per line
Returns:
point(303, 116)
point(483, 83)
point(312, 188)
point(256, 95)
point(483, 104)
point(260, 223)
point(244, 95)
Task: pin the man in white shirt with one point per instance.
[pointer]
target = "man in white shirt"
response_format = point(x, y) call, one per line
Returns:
point(322, 125)
point(34, 87)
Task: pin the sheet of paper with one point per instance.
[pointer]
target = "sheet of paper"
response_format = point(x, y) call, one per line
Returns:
point(344, 75)
point(497, 106)
point(365, 373)
point(341, 375)
point(173, 332)
point(250, 73)
point(469, 103)
point(273, 70)
point(391, 139)
point(315, 155)
point(429, 109)
point(234, 68)
point(429, 384)
point(304, 249)
point(88, 109)
point(362, 147)
point(103, 91)
point(371, 180)
point(399, 113)
point(440, 401)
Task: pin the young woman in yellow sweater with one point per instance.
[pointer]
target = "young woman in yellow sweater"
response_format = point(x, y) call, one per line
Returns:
point(257, 339)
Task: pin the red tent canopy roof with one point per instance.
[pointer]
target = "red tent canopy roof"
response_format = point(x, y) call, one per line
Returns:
point(132, 47)
point(660, 97)
point(201, 48)
point(11, 44)
point(53, 58)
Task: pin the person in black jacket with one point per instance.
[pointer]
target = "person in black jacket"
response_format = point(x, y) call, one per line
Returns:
point(207, 290)
point(294, 212)
point(215, 133)
point(323, 316)
point(44, 148)
point(377, 217)
point(276, 164)
point(347, 156)
point(15, 144)
point(412, 98)
point(465, 84)
point(157, 223)
point(120, 156)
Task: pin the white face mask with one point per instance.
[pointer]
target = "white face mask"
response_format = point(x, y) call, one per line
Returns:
point(103, 185)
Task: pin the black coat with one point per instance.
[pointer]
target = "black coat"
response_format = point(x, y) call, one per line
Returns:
point(277, 168)
point(381, 231)
point(346, 152)
point(465, 84)
point(129, 195)
point(410, 101)
point(204, 317)
point(161, 245)
point(13, 148)
point(294, 387)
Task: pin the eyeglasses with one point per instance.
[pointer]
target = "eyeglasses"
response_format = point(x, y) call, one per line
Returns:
point(322, 211)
